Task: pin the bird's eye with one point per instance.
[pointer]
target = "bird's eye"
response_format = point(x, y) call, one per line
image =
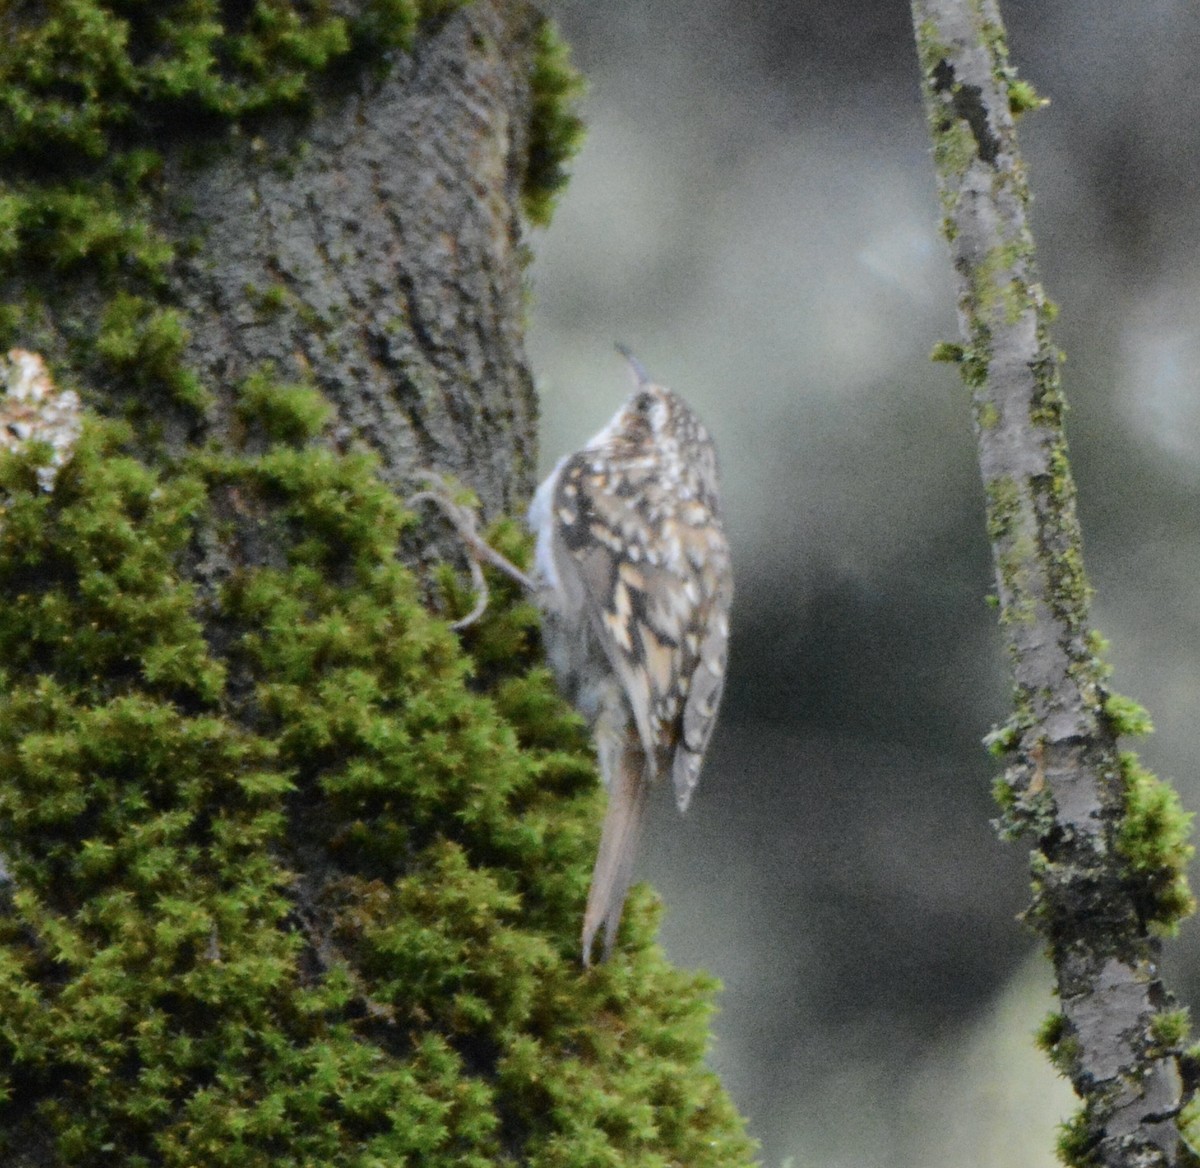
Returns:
point(644, 404)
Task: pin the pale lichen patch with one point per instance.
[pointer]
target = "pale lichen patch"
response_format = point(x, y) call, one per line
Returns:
point(33, 409)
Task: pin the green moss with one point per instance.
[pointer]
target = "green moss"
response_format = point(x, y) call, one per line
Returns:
point(947, 351)
point(1002, 740)
point(394, 24)
point(1003, 508)
point(1126, 717)
point(1022, 98)
point(930, 48)
point(1153, 838)
point(556, 130)
point(1014, 546)
point(73, 82)
point(987, 416)
point(1055, 1039)
point(974, 365)
point(954, 148)
point(270, 301)
point(1003, 794)
point(173, 991)
point(1051, 1031)
point(1098, 647)
point(290, 414)
point(1025, 801)
point(144, 344)
point(1068, 591)
point(1049, 405)
point(1170, 1029)
point(954, 145)
point(998, 282)
point(1189, 1129)
point(1077, 1141)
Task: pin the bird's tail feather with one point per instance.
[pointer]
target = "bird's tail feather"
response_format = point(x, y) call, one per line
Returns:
point(619, 837)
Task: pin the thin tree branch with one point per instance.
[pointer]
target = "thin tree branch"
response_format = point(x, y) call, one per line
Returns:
point(1098, 900)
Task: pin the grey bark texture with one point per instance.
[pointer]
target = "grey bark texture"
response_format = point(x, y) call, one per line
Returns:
point(378, 254)
point(392, 237)
point(1066, 780)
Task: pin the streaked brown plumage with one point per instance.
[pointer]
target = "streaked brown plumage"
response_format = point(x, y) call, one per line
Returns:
point(634, 582)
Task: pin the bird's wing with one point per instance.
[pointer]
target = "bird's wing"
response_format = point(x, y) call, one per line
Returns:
point(656, 605)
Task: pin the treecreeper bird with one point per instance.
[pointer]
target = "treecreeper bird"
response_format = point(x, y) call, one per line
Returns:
point(633, 577)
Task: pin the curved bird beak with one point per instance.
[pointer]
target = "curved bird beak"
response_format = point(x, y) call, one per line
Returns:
point(640, 376)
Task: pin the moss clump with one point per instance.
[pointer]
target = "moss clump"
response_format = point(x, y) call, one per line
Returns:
point(1003, 508)
point(89, 87)
point(1049, 405)
point(1097, 663)
point(948, 351)
point(88, 91)
point(954, 149)
point(1127, 717)
point(1170, 1029)
point(1077, 1140)
point(143, 345)
point(998, 282)
point(1022, 97)
point(85, 78)
point(1153, 837)
point(1055, 1039)
point(1004, 795)
point(987, 415)
point(1051, 1031)
point(974, 366)
point(1016, 554)
point(556, 130)
point(1189, 1128)
point(287, 414)
point(302, 884)
point(1003, 739)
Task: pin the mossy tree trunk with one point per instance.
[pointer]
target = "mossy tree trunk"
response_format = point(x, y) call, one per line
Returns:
point(294, 872)
point(375, 251)
point(1109, 838)
point(362, 235)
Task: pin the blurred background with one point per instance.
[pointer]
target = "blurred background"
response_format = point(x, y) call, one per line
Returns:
point(754, 213)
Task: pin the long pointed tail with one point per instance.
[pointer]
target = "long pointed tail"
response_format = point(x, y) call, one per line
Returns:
point(619, 837)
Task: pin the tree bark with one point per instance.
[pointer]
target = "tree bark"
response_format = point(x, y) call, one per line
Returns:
point(1109, 839)
point(377, 253)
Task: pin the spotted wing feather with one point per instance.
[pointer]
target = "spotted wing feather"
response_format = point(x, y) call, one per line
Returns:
point(662, 625)
point(707, 681)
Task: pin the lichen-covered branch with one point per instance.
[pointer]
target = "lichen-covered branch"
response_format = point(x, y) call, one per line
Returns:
point(1109, 839)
